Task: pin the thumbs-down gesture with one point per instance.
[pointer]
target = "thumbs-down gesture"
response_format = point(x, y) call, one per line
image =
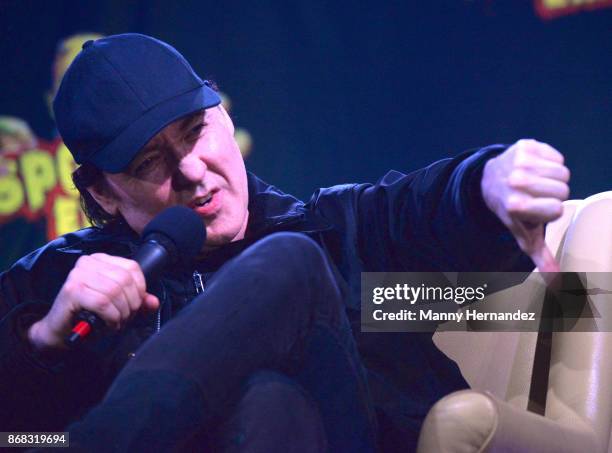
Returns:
point(525, 187)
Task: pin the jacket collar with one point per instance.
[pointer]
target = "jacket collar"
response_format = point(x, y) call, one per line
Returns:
point(271, 209)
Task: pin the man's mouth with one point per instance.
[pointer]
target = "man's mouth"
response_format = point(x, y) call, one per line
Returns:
point(202, 201)
point(206, 205)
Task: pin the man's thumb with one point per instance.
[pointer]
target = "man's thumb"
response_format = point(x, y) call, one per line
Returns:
point(546, 263)
point(535, 246)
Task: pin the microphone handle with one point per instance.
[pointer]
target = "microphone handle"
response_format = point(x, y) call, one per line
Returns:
point(152, 257)
point(86, 322)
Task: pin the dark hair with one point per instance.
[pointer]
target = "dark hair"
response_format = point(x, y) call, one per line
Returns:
point(85, 176)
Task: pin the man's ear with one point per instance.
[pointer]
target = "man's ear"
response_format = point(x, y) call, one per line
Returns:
point(227, 121)
point(105, 198)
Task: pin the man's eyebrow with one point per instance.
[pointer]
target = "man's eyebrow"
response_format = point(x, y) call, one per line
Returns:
point(190, 121)
point(184, 126)
point(151, 146)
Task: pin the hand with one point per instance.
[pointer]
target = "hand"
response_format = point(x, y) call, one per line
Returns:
point(525, 187)
point(111, 287)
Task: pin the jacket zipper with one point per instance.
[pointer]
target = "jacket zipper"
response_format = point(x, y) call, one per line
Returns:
point(158, 318)
point(198, 282)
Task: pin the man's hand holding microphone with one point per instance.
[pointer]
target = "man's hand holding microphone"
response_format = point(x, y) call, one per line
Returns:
point(110, 290)
point(111, 287)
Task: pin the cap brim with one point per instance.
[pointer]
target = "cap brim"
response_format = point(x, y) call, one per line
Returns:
point(117, 155)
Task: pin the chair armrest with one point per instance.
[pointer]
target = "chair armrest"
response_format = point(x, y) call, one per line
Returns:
point(469, 421)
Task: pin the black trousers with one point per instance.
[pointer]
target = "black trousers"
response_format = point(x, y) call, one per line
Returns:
point(264, 360)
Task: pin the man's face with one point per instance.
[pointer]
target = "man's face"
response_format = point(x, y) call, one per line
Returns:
point(194, 162)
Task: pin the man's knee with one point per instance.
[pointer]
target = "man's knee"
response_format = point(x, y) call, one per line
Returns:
point(295, 273)
point(296, 242)
point(294, 249)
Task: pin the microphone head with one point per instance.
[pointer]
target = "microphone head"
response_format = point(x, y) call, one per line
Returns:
point(182, 227)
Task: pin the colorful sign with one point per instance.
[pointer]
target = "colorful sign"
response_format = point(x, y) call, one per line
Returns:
point(38, 183)
point(551, 9)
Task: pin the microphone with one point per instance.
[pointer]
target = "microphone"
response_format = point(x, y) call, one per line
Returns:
point(175, 235)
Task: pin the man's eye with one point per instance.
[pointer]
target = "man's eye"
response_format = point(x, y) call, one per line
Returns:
point(145, 165)
point(195, 132)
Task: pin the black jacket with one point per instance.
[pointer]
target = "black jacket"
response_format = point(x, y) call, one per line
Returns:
point(431, 219)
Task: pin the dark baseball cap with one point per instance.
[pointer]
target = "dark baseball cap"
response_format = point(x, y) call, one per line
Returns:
point(119, 92)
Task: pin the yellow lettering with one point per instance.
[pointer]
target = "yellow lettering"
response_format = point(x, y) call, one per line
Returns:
point(11, 191)
point(66, 215)
point(555, 4)
point(561, 4)
point(38, 176)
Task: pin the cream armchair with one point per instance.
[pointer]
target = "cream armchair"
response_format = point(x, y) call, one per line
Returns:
point(493, 416)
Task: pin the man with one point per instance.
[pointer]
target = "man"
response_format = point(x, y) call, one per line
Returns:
point(270, 356)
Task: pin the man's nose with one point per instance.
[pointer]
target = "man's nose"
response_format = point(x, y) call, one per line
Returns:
point(190, 171)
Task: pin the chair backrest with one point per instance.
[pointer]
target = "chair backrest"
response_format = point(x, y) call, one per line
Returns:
point(580, 387)
point(502, 362)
